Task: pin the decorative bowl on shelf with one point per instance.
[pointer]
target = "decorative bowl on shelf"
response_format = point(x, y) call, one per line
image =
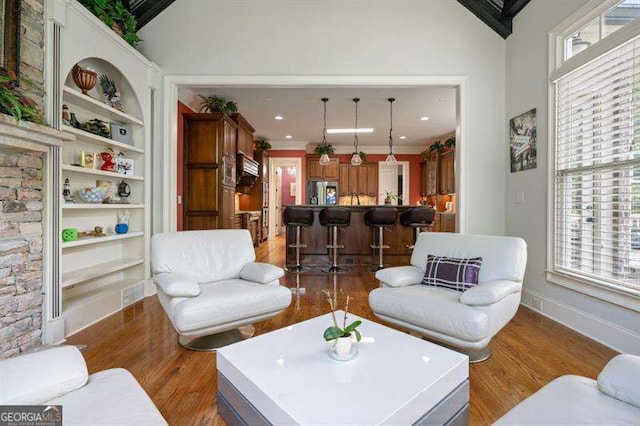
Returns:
point(92, 195)
point(84, 78)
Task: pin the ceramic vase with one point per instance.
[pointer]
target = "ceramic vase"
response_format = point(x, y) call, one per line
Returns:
point(343, 347)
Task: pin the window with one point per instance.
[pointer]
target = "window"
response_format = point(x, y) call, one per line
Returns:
point(597, 169)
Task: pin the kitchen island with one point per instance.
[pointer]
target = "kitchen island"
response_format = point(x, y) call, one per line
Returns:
point(356, 238)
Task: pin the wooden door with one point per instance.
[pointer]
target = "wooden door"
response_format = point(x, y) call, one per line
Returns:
point(371, 170)
point(332, 170)
point(446, 173)
point(314, 169)
point(201, 173)
point(431, 165)
point(343, 180)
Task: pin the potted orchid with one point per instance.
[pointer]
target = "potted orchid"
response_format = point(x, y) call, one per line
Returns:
point(342, 348)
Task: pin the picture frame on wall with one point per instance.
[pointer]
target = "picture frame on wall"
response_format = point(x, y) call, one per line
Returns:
point(121, 133)
point(523, 141)
point(88, 159)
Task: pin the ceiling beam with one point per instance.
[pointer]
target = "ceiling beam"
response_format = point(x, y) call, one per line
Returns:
point(149, 9)
point(489, 15)
point(512, 7)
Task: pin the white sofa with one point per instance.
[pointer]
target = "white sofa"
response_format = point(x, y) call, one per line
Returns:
point(464, 320)
point(614, 398)
point(211, 287)
point(58, 376)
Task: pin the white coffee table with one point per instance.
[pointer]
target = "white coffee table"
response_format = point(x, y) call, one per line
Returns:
point(286, 377)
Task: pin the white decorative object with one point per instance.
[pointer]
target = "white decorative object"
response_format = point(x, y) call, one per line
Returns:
point(125, 166)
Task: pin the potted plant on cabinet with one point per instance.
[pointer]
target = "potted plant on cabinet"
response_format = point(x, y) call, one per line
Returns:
point(450, 143)
point(262, 144)
point(217, 104)
point(343, 348)
point(322, 150)
point(116, 16)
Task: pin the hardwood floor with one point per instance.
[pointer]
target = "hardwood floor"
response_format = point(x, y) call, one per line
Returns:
point(528, 353)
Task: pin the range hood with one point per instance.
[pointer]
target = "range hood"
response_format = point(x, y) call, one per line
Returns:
point(246, 171)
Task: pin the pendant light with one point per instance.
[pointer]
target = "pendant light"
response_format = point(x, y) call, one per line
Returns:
point(324, 158)
point(356, 160)
point(391, 159)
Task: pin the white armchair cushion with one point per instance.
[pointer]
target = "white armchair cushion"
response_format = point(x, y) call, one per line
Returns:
point(261, 272)
point(620, 379)
point(41, 376)
point(400, 276)
point(176, 285)
point(489, 292)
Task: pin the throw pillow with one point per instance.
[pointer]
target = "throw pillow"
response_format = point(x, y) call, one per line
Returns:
point(449, 272)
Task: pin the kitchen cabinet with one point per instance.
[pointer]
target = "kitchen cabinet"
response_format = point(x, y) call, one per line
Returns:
point(343, 180)
point(251, 222)
point(446, 173)
point(209, 171)
point(354, 179)
point(423, 179)
point(431, 173)
point(330, 172)
point(244, 135)
point(447, 222)
point(371, 179)
point(258, 197)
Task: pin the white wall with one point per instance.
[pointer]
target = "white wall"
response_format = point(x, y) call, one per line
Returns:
point(526, 88)
point(435, 37)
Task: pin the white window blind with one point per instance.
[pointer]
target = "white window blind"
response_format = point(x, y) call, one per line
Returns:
point(597, 170)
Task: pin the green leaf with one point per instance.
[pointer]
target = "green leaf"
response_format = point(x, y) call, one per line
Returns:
point(332, 333)
point(351, 327)
point(358, 335)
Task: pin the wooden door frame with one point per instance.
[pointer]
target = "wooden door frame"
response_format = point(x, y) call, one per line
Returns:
point(275, 162)
point(168, 102)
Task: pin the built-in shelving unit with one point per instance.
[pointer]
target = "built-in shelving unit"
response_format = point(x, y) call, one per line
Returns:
point(100, 275)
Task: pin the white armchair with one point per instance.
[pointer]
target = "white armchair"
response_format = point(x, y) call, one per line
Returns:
point(465, 320)
point(211, 287)
point(612, 399)
point(58, 376)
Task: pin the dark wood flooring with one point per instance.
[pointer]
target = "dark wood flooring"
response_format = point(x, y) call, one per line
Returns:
point(528, 353)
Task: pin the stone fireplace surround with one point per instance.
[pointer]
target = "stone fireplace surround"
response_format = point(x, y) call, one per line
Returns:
point(28, 210)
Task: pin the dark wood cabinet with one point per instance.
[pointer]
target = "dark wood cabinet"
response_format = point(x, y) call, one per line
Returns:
point(446, 173)
point(354, 179)
point(431, 173)
point(371, 185)
point(423, 178)
point(209, 171)
point(447, 223)
point(315, 171)
point(244, 135)
point(343, 180)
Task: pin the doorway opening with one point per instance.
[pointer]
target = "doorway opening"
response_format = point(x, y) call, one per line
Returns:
point(286, 190)
point(393, 183)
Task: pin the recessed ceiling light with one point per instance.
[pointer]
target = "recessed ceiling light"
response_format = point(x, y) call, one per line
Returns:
point(360, 130)
point(288, 137)
point(278, 117)
point(403, 137)
point(424, 118)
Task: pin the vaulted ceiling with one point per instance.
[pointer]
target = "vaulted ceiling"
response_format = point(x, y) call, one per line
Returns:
point(497, 14)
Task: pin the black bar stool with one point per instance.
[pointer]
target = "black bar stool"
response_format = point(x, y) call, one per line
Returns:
point(297, 217)
point(334, 218)
point(418, 218)
point(380, 217)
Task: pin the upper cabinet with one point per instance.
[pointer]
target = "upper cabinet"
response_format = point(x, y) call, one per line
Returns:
point(431, 174)
point(315, 171)
point(446, 173)
point(245, 135)
point(360, 180)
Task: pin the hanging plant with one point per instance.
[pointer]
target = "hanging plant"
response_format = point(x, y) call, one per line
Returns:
point(262, 144)
point(14, 99)
point(436, 146)
point(217, 104)
point(450, 143)
point(328, 149)
point(116, 16)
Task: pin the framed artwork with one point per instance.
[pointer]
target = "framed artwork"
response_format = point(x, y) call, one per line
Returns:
point(121, 133)
point(88, 160)
point(10, 36)
point(522, 141)
point(292, 189)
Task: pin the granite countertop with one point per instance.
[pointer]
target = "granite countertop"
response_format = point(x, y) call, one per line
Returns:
point(247, 211)
point(362, 207)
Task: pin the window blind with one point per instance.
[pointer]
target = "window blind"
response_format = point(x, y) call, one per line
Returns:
point(597, 170)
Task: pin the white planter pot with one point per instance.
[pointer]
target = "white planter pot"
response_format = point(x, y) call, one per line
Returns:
point(343, 347)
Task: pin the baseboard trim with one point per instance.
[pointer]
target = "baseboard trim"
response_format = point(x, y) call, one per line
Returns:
point(611, 335)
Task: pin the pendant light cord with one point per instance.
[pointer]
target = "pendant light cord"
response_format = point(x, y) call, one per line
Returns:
point(324, 130)
point(391, 125)
point(355, 133)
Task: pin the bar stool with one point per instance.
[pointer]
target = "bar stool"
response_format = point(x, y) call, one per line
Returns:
point(380, 217)
point(418, 218)
point(297, 217)
point(334, 218)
